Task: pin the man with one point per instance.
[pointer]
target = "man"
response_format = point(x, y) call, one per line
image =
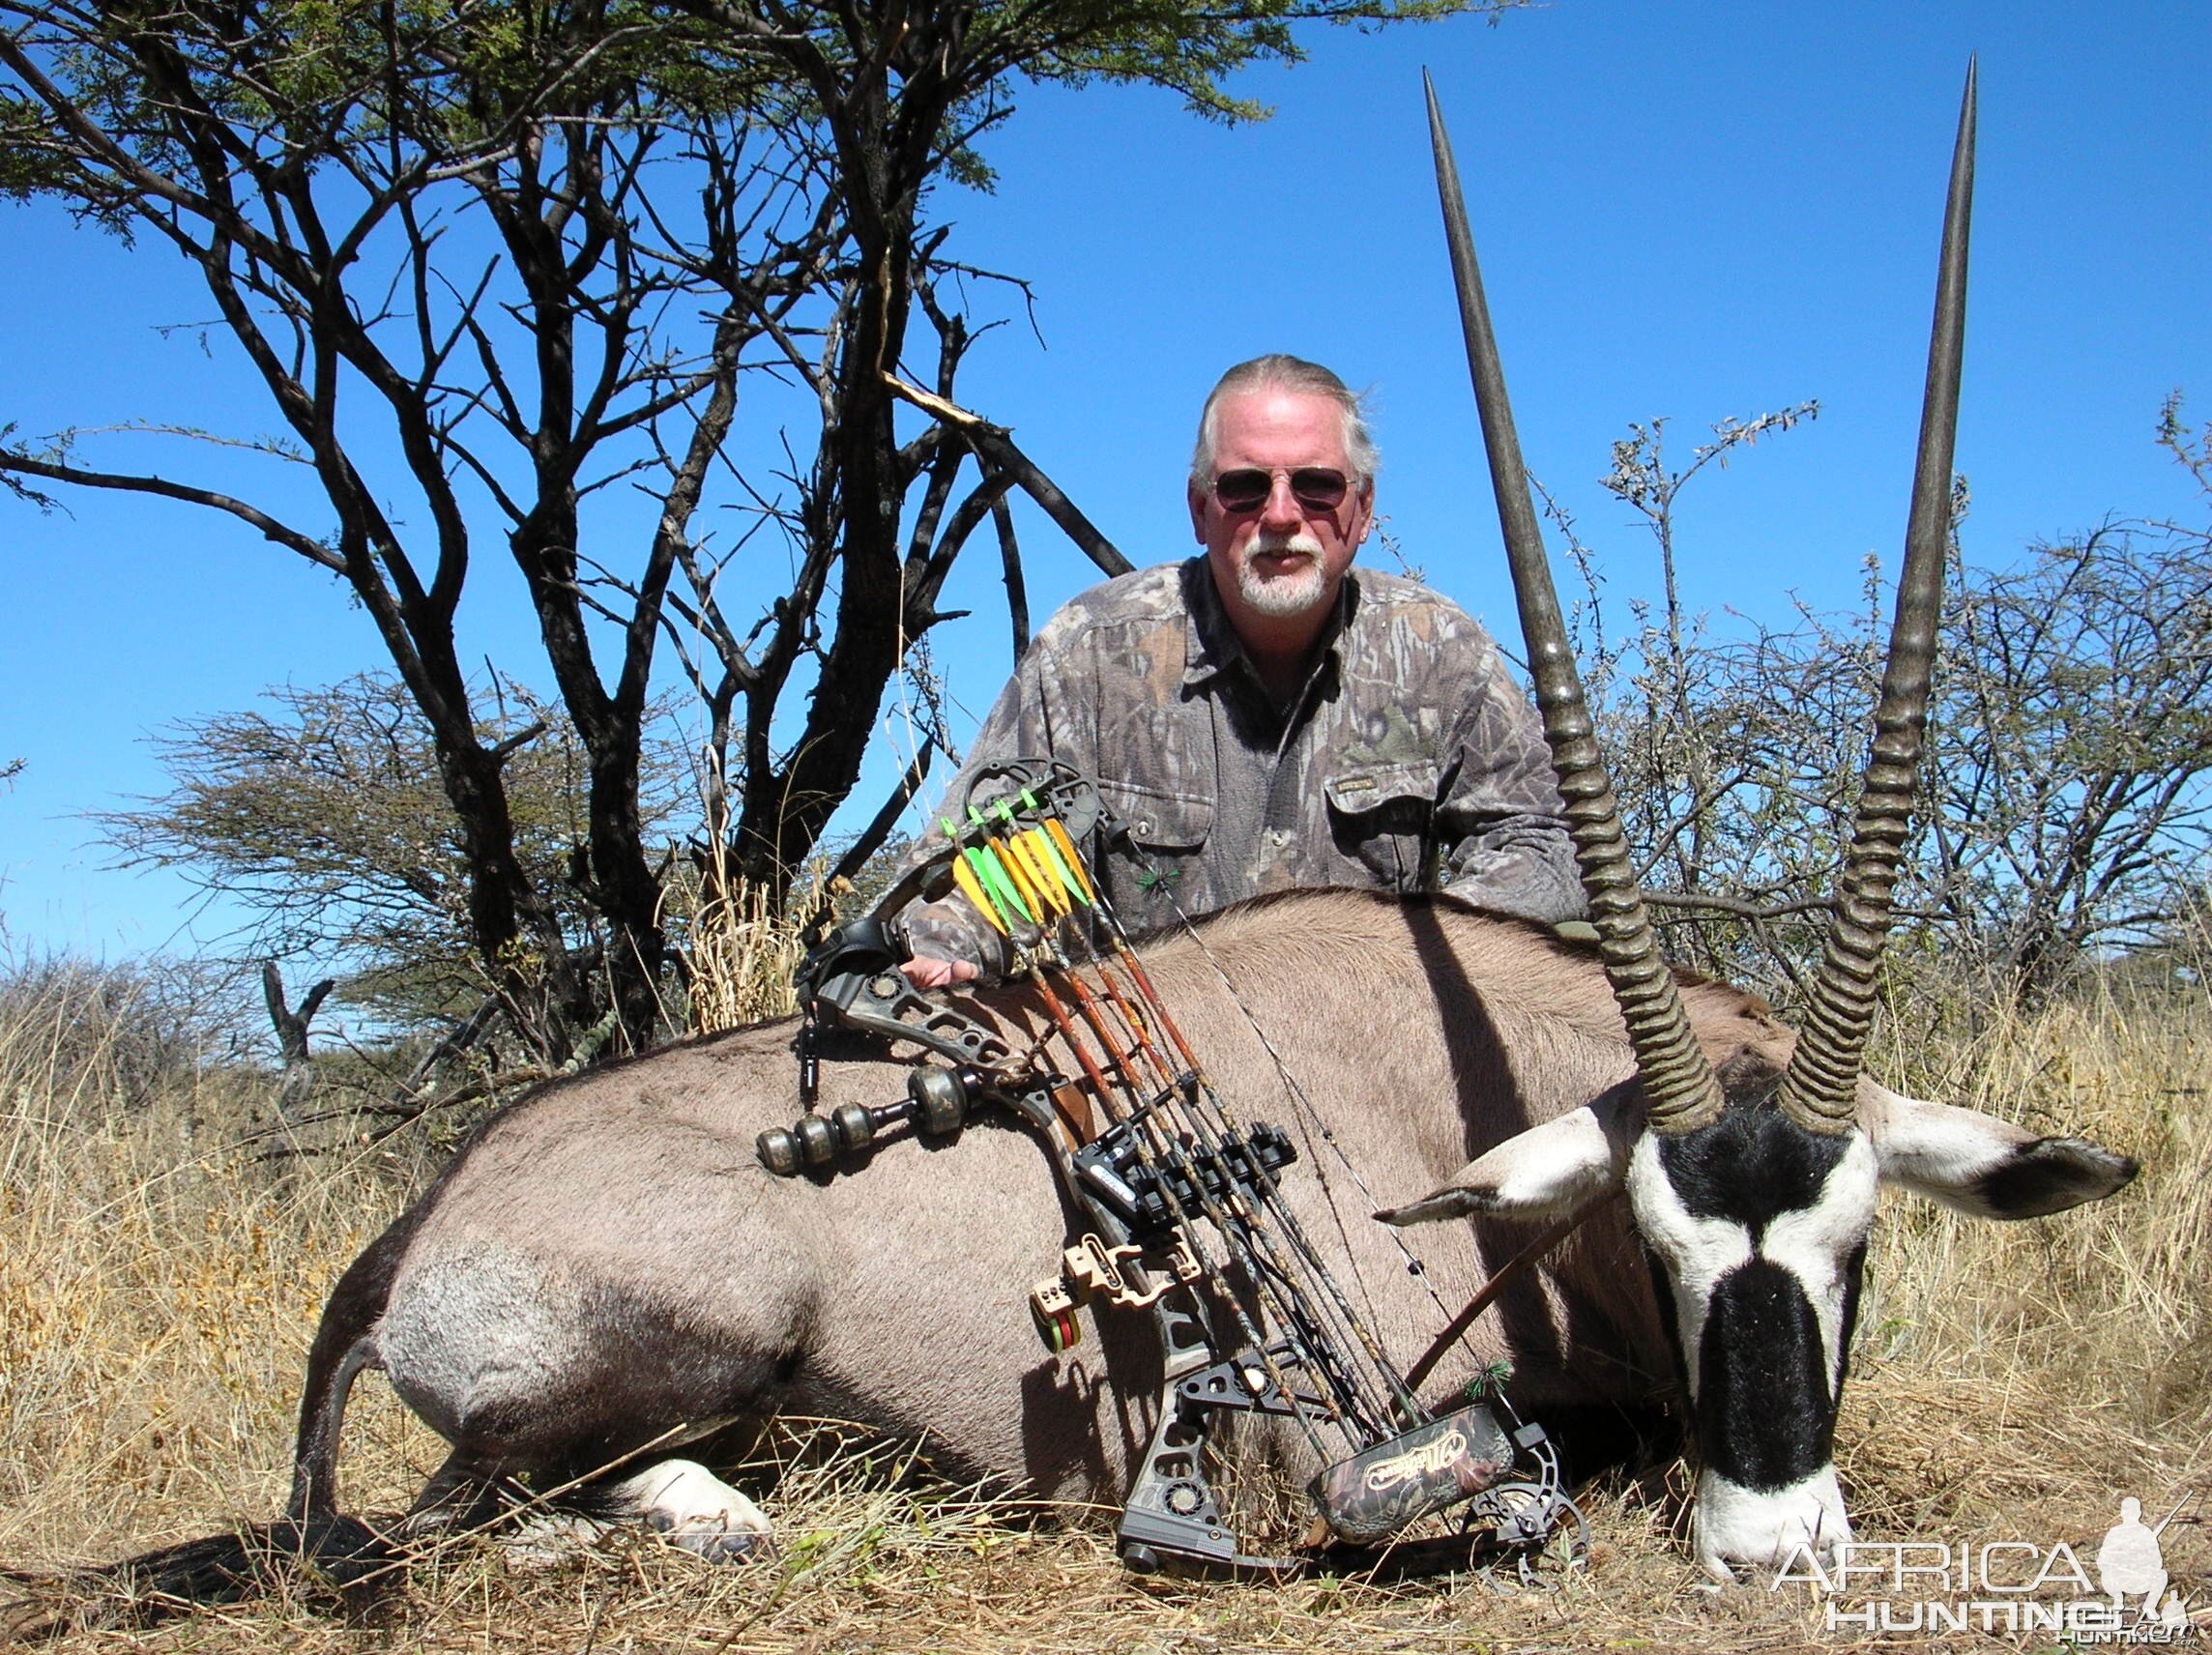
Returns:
point(1262, 717)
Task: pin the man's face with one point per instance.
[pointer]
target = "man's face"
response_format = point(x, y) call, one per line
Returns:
point(1278, 562)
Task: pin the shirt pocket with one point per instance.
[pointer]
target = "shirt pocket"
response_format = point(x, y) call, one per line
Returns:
point(1169, 832)
point(1158, 820)
point(1380, 816)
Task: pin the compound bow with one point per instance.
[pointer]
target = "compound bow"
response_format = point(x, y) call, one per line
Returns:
point(1163, 1171)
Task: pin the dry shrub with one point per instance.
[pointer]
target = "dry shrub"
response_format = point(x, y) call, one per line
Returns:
point(739, 947)
point(158, 1293)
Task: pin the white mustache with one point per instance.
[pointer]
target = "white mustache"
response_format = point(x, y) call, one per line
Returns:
point(1295, 590)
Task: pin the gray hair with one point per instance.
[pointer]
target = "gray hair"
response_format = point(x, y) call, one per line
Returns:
point(1278, 372)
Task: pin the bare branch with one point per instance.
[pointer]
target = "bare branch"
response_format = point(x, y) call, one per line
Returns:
point(1017, 590)
point(270, 528)
point(996, 445)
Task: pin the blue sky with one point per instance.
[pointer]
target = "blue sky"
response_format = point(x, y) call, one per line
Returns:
point(1691, 211)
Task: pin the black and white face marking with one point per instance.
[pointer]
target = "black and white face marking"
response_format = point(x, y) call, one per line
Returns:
point(1756, 1228)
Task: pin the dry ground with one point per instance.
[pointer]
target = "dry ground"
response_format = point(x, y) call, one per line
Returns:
point(158, 1285)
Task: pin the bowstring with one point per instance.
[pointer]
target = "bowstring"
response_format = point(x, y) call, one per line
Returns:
point(1327, 1315)
point(1311, 1120)
point(1302, 1248)
point(1306, 1262)
point(1144, 1121)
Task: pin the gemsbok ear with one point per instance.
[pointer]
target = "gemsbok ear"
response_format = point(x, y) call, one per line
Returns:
point(1985, 1166)
point(1546, 1172)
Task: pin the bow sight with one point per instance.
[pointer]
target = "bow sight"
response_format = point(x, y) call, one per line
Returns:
point(1184, 1202)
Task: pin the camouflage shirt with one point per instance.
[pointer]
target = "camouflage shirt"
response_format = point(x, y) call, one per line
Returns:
point(1408, 761)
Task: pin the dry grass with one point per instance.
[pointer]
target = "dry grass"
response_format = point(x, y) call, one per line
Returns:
point(157, 1291)
point(739, 947)
point(159, 1286)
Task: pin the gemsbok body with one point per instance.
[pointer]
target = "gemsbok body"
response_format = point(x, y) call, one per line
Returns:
point(606, 1274)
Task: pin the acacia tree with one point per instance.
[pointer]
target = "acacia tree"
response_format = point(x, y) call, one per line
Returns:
point(1732, 755)
point(489, 260)
point(321, 816)
point(2071, 781)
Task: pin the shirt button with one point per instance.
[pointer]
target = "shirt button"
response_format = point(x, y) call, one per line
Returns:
point(1278, 838)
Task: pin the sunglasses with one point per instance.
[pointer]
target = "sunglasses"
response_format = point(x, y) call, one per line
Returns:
point(1315, 488)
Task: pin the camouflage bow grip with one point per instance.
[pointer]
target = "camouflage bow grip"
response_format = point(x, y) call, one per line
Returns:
point(1371, 1497)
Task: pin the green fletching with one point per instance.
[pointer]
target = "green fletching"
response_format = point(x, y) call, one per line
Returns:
point(987, 876)
point(1051, 842)
point(996, 879)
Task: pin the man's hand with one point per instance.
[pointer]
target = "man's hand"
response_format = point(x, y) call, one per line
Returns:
point(925, 973)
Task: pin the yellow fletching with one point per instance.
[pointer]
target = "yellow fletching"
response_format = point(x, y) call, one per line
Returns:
point(971, 888)
point(1059, 831)
point(1029, 851)
point(1019, 876)
point(1047, 853)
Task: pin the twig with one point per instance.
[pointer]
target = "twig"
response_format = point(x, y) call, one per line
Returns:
point(1736, 906)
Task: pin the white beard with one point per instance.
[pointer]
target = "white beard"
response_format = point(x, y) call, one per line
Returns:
point(1298, 590)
